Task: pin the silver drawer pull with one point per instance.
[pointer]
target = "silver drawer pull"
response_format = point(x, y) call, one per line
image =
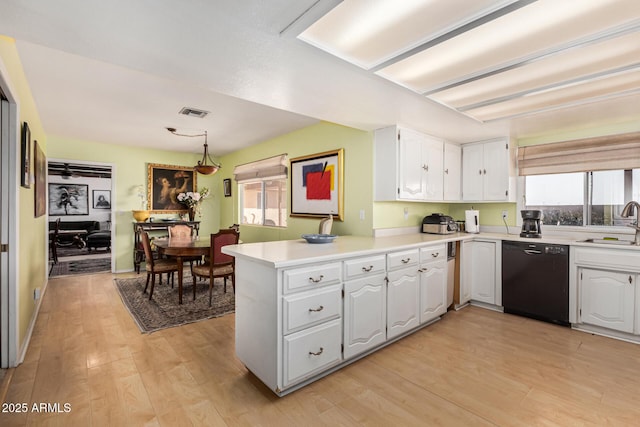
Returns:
point(311, 353)
point(311, 279)
point(435, 254)
point(423, 270)
point(367, 269)
point(317, 309)
point(405, 261)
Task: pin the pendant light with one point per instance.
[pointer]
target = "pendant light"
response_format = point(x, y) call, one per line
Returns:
point(206, 166)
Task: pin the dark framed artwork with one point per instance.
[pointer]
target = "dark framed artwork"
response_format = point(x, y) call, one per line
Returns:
point(226, 186)
point(164, 183)
point(25, 157)
point(317, 185)
point(40, 180)
point(101, 199)
point(68, 199)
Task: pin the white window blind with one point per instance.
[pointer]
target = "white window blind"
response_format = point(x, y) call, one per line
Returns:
point(592, 154)
point(270, 168)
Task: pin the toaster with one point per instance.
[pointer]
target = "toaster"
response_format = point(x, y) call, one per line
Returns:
point(438, 223)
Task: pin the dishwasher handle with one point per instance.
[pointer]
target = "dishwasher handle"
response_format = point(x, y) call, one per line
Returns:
point(532, 252)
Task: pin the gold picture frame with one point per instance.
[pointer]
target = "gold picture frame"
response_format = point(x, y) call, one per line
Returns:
point(164, 183)
point(317, 185)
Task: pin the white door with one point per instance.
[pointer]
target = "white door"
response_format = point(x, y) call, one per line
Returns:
point(496, 164)
point(433, 290)
point(403, 297)
point(472, 172)
point(411, 166)
point(483, 272)
point(607, 299)
point(452, 172)
point(365, 314)
point(434, 159)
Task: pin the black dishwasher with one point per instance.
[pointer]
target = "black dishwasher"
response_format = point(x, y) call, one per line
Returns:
point(535, 281)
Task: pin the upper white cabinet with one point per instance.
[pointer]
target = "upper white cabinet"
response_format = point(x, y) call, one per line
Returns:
point(488, 171)
point(410, 165)
point(452, 185)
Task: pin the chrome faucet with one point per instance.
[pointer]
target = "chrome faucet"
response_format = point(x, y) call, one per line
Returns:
point(627, 211)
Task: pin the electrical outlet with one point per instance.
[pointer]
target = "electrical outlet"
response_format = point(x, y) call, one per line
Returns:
point(505, 214)
point(406, 213)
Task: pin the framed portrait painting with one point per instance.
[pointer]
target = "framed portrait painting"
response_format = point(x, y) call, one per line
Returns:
point(165, 182)
point(226, 186)
point(25, 157)
point(68, 199)
point(317, 185)
point(101, 199)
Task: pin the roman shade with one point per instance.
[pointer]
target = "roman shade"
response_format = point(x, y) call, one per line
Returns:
point(270, 168)
point(591, 154)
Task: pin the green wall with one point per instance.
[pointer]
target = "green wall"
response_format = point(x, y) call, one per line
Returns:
point(130, 170)
point(32, 270)
point(358, 183)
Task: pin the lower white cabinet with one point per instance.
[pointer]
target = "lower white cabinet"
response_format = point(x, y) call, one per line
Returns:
point(482, 278)
point(607, 299)
point(433, 290)
point(403, 301)
point(365, 318)
point(311, 350)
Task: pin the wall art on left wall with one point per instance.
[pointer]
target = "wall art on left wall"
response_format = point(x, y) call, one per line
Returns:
point(25, 157)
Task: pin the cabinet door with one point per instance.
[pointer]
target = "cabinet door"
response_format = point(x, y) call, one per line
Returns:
point(452, 172)
point(496, 165)
point(607, 299)
point(472, 172)
point(483, 272)
point(434, 161)
point(403, 308)
point(365, 314)
point(411, 180)
point(433, 290)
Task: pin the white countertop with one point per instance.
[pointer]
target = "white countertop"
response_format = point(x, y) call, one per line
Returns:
point(286, 253)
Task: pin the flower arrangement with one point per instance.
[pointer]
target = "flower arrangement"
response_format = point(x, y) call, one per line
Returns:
point(142, 195)
point(192, 199)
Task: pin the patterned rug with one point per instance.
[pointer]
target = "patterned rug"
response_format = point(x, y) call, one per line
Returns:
point(83, 266)
point(163, 311)
point(64, 251)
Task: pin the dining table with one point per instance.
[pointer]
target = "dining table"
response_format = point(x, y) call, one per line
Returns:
point(180, 248)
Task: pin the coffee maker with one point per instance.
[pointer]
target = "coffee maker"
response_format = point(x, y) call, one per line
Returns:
point(531, 223)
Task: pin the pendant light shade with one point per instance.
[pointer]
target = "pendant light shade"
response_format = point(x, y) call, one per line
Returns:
point(206, 166)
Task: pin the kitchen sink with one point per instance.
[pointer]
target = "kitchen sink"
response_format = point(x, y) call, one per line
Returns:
point(610, 242)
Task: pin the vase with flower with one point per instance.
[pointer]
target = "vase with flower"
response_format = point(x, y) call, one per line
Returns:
point(192, 200)
point(142, 214)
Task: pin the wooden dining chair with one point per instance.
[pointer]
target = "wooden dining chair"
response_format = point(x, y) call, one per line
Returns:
point(180, 231)
point(155, 266)
point(218, 264)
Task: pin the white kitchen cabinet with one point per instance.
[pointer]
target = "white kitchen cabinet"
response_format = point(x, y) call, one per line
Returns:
point(403, 291)
point(488, 171)
point(365, 316)
point(433, 282)
point(452, 178)
point(481, 273)
point(409, 165)
point(607, 299)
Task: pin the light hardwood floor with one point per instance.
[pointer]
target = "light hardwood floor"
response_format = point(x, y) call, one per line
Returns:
point(474, 367)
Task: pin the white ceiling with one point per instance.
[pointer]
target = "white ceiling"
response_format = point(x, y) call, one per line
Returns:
point(119, 72)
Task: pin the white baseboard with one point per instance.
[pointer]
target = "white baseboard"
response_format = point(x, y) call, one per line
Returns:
point(22, 351)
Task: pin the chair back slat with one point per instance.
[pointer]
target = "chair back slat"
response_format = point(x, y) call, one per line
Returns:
point(146, 245)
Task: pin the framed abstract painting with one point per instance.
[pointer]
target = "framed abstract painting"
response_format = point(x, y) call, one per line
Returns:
point(317, 187)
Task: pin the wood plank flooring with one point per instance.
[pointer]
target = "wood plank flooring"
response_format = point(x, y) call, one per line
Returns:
point(473, 368)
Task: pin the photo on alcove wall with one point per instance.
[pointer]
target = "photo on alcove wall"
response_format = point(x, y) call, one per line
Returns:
point(68, 199)
point(102, 199)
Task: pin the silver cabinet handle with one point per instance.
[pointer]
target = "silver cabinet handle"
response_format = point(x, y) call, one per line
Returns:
point(630, 280)
point(446, 171)
point(316, 309)
point(405, 261)
point(311, 279)
point(367, 269)
point(484, 171)
point(435, 254)
point(311, 353)
point(480, 171)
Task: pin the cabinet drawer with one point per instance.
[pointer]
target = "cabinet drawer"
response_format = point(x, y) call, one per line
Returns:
point(364, 267)
point(608, 258)
point(402, 259)
point(433, 253)
point(300, 279)
point(304, 309)
point(311, 350)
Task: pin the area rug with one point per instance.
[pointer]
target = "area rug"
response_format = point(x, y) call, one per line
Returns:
point(163, 311)
point(64, 251)
point(83, 266)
